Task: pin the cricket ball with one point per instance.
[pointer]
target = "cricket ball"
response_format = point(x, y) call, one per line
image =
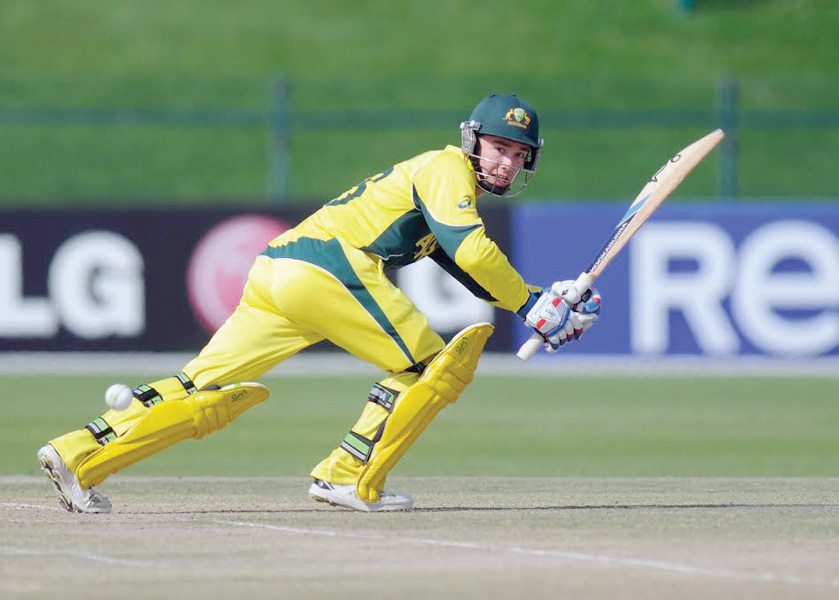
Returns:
point(118, 396)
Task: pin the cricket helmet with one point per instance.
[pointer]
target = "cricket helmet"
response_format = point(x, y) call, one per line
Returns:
point(506, 116)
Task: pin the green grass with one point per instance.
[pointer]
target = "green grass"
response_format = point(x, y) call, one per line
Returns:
point(500, 427)
point(384, 56)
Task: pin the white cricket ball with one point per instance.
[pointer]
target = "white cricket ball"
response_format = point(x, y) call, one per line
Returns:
point(118, 396)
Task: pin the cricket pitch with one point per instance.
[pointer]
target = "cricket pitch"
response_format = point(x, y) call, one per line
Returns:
point(609, 538)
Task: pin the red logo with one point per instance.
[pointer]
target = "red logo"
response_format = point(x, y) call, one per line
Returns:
point(218, 268)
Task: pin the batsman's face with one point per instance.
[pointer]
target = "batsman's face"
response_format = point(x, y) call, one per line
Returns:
point(501, 159)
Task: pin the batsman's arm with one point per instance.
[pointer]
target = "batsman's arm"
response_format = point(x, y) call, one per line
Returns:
point(447, 264)
point(445, 194)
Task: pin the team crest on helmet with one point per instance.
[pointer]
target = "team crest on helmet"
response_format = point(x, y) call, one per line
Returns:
point(517, 117)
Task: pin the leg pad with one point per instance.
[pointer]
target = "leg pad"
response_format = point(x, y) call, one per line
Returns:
point(167, 423)
point(440, 385)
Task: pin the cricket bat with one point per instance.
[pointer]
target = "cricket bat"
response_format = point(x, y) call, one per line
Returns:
point(658, 188)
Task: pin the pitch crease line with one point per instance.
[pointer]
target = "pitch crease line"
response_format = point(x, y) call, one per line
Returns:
point(21, 505)
point(108, 560)
point(765, 577)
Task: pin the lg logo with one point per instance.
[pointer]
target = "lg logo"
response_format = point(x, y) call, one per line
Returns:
point(95, 289)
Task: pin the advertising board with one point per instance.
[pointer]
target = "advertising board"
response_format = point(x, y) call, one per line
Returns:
point(717, 280)
point(164, 280)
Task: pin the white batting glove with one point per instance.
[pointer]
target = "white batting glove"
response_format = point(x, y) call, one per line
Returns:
point(557, 319)
point(567, 290)
point(549, 315)
point(587, 311)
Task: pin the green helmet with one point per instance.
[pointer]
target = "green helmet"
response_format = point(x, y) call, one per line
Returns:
point(506, 116)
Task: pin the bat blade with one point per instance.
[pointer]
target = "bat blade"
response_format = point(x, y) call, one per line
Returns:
point(658, 188)
point(651, 196)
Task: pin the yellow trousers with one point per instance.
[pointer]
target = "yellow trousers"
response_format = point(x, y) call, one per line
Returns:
point(306, 290)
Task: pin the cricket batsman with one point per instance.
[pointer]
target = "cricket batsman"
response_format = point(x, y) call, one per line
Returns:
point(326, 279)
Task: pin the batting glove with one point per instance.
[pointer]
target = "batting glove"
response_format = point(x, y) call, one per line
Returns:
point(563, 313)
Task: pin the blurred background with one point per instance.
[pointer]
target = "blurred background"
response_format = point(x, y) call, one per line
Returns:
point(164, 120)
point(148, 150)
point(190, 103)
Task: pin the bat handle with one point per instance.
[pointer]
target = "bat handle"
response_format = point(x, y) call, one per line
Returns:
point(584, 281)
point(529, 348)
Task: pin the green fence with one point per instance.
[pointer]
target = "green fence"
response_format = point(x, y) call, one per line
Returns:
point(55, 155)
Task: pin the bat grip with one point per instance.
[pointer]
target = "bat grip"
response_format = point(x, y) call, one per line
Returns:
point(584, 281)
point(529, 348)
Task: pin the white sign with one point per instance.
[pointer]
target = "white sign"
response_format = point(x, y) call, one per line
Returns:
point(781, 312)
point(95, 289)
point(448, 305)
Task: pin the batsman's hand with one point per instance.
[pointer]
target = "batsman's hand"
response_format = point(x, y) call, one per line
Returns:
point(563, 313)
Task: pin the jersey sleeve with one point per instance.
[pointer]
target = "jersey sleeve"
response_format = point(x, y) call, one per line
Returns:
point(445, 194)
point(449, 266)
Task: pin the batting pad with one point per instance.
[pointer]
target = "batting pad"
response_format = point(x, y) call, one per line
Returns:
point(76, 446)
point(441, 384)
point(170, 422)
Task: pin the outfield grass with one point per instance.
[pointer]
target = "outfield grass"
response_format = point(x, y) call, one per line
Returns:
point(378, 56)
point(502, 426)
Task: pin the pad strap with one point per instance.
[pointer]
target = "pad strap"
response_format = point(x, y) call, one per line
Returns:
point(418, 368)
point(357, 444)
point(383, 396)
point(102, 432)
point(149, 396)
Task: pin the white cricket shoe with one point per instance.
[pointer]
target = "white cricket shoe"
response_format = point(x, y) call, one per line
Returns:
point(345, 495)
point(71, 495)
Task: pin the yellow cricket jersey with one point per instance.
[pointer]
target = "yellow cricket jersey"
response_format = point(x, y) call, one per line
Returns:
point(424, 206)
